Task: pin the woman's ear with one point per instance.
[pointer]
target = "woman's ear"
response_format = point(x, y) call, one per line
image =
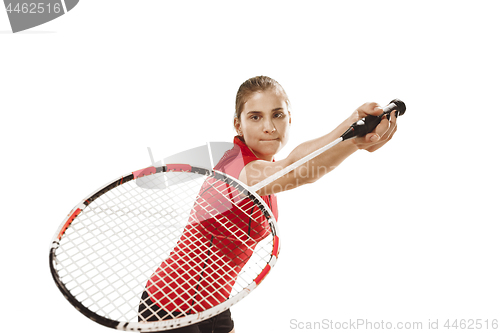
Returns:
point(289, 117)
point(237, 126)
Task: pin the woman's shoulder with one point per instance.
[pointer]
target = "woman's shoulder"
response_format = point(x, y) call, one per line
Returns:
point(235, 159)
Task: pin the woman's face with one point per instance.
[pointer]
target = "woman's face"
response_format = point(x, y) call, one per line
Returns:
point(264, 124)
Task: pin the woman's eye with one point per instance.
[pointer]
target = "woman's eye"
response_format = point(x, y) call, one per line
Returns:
point(279, 115)
point(254, 117)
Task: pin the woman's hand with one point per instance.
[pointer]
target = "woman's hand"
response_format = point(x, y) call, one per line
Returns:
point(382, 133)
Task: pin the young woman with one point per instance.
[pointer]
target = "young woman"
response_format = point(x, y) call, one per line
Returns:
point(262, 121)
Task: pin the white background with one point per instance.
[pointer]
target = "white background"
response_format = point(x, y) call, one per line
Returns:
point(409, 233)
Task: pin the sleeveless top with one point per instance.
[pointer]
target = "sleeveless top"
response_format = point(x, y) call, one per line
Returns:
point(210, 251)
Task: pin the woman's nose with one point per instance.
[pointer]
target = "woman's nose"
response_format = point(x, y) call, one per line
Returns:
point(269, 126)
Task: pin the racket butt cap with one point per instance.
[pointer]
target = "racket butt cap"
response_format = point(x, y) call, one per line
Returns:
point(401, 106)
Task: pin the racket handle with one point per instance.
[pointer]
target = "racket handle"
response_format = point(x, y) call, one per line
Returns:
point(368, 123)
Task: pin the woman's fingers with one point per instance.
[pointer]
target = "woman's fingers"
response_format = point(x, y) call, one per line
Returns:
point(381, 135)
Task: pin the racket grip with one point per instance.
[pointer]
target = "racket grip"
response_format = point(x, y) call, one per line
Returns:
point(368, 123)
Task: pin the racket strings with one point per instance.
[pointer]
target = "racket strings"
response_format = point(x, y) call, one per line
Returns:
point(244, 206)
point(113, 238)
point(198, 278)
point(111, 249)
point(216, 211)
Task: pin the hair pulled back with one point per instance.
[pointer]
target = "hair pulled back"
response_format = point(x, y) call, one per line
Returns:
point(257, 84)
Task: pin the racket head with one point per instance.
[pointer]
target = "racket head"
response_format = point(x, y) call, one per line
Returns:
point(106, 252)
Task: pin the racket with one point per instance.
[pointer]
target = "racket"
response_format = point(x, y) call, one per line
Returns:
point(164, 256)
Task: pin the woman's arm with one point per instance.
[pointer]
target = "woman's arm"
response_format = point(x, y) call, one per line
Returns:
point(314, 169)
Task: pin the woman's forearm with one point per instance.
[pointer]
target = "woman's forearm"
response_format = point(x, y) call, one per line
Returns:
point(320, 165)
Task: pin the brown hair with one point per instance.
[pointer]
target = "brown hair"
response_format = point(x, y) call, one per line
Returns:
point(253, 85)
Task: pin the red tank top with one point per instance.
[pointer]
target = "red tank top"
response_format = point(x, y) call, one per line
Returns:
point(211, 252)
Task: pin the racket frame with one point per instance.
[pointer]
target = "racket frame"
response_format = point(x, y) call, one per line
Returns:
point(176, 322)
